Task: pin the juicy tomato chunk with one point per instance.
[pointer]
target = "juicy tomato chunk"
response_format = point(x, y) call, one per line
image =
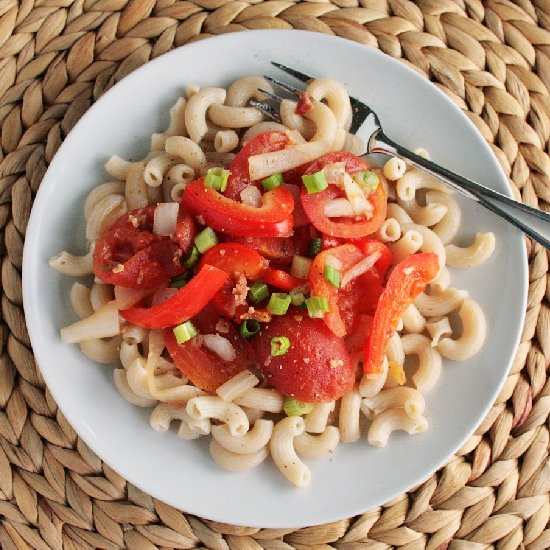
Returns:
point(235, 259)
point(186, 230)
point(348, 255)
point(348, 228)
point(262, 143)
point(281, 279)
point(130, 255)
point(201, 365)
point(316, 368)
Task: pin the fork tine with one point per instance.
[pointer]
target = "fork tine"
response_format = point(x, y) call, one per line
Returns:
point(271, 95)
point(293, 72)
point(284, 86)
point(266, 109)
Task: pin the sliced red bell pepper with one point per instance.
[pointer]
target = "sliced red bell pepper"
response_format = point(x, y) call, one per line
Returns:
point(407, 280)
point(262, 143)
point(281, 279)
point(186, 303)
point(272, 219)
point(235, 259)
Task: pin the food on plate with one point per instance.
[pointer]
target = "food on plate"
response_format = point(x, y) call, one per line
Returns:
point(260, 284)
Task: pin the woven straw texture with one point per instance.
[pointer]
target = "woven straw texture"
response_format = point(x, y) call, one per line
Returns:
point(58, 56)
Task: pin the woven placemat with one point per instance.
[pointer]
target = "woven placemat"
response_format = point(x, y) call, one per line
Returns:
point(58, 56)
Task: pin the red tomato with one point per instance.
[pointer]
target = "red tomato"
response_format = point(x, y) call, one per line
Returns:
point(317, 366)
point(348, 255)
point(407, 280)
point(186, 230)
point(130, 255)
point(272, 219)
point(279, 249)
point(235, 259)
point(314, 204)
point(202, 366)
point(240, 175)
point(281, 279)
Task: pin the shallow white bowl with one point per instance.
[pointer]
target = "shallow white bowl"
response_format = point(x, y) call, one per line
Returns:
point(181, 473)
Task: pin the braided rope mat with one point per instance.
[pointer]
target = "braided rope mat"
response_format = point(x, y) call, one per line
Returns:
point(58, 56)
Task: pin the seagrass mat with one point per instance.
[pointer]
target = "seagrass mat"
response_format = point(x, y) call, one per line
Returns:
point(58, 56)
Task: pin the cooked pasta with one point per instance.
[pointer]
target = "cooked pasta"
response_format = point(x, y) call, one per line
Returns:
point(211, 373)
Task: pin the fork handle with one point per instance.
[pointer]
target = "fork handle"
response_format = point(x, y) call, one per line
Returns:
point(531, 221)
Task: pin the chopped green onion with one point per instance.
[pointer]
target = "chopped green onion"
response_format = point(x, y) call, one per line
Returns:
point(314, 246)
point(273, 181)
point(332, 276)
point(278, 303)
point(315, 183)
point(279, 345)
point(293, 407)
point(205, 240)
point(368, 181)
point(217, 179)
point(297, 297)
point(184, 332)
point(249, 327)
point(300, 266)
point(193, 257)
point(258, 292)
point(317, 306)
point(179, 281)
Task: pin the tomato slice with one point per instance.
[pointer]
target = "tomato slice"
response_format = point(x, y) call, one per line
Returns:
point(348, 255)
point(407, 280)
point(316, 368)
point(130, 255)
point(272, 219)
point(202, 366)
point(235, 259)
point(186, 229)
point(279, 249)
point(348, 228)
point(262, 143)
point(186, 303)
point(281, 279)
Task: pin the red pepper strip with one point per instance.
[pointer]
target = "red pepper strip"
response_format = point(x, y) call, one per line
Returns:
point(281, 279)
point(186, 303)
point(235, 259)
point(272, 219)
point(407, 280)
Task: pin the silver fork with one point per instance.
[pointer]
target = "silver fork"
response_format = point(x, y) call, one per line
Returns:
point(366, 125)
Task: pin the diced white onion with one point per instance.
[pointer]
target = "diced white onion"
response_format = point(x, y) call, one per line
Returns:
point(166, 217)
point(334, 173)
point(163, 294)
point(356, 196)
point(300, 267)
point(359, 268)
point(219, 345)
point(103, 323)
point(334, 262)
point(251, 195)
point(127, 297)
point(337, 208)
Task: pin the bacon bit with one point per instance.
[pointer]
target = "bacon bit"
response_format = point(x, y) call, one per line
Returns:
point(260, 315)
point(119, 268)
point(240, 291)
point(306, 360)
point(134, 221)
point(304, 105)
point(335, 363)
point(298, 318)
point(223, 326)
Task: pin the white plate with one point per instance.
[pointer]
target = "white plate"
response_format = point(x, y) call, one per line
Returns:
point(181, 473)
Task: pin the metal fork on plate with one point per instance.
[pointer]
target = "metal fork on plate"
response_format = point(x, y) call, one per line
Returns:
point(366, 125)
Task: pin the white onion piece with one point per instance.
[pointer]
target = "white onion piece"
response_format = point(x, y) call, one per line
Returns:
point(103, 323)
point(166, 217)
point(219, 345)
point(334, 173)
point(337, 208)
point(356, 197)
point(251, 196)
point(163, 294)
point(127, 297)
point(334, 262)
point(359, 268)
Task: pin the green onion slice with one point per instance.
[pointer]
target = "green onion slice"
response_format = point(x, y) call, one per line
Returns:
point(332, 276)
point(258, 292)
point(193, 257)
point(205, 240)
point(293, 407)
point(279, 345)
point(317, 306)
point(315, 246)
point(297, 297)
point(278, 303)
point(315, 183)
point(217, 178)
point(184, 332)
point(272, 181)
point(179, 281)
point(249, 327)
point(368, 181)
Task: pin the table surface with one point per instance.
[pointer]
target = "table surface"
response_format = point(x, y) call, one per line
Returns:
point(58, 56)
